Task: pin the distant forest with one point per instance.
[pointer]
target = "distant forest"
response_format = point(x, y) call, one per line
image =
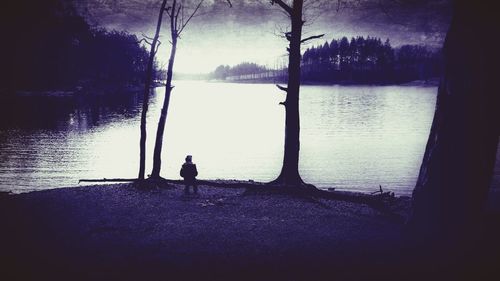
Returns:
point(360, 60)
point(51, 47)
point(224, 71)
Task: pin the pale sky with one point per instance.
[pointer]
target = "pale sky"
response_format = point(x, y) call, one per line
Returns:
point(248, 32)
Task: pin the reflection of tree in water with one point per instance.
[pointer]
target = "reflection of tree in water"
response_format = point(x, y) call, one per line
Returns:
point(68, 113)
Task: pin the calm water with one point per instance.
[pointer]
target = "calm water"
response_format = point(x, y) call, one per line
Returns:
point(353, 138)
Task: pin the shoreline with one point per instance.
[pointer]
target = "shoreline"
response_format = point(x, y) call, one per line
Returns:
point(381, 200)
point(222, 182)
point(434, 82)
point(119, 231)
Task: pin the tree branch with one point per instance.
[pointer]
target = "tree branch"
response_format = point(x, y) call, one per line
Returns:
point(157, 47)
point(147, 37)
point(282, 4)
point(144, 40)
point(285, 89)
point(177, 18)
point(106, 180)
point(311, 38)
point(230, 4)
point(190, 17)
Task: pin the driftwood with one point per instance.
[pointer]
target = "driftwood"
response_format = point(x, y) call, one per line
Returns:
point(106, 180)
point(382, 193)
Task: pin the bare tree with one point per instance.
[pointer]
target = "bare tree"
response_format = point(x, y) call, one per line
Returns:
point(178, 22)
point(154, 44)
point(289, 174)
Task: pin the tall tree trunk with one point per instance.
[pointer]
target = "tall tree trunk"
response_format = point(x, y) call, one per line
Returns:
point(168, 90)
point(460, 155)
point(289, 174)
point(147, 88)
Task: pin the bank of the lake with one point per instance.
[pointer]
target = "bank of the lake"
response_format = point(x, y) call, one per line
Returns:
point(121, 232)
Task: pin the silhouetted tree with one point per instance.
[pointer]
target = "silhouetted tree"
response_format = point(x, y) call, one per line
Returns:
point(344, 56)
point(289, 174)
point(147, 88)
point(177, 25)
point(334, 53)
point(455, 175)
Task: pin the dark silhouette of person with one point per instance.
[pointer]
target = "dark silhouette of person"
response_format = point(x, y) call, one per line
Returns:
point(189, 173)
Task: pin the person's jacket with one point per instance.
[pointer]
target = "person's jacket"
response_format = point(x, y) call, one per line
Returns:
point(189, 171)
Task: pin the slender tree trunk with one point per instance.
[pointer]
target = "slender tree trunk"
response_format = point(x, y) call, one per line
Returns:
point(147, 88)
point(289, 174)
point(460, 155)
point(163, 116)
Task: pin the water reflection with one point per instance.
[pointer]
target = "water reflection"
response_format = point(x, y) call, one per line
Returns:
point(368, 136)
point(66, 113)
point(352, 137)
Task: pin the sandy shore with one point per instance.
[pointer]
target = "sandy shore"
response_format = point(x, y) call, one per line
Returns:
point(121, 232)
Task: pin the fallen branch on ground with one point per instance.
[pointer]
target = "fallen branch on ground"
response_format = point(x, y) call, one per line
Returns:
point(106, 180)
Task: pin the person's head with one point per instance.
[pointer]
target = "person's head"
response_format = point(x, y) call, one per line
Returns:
point(189, 158)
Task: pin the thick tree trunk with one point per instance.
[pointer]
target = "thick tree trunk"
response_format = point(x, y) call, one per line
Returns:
point(460, 154)
point(163, 116)
point(147, 88)
point(289, 174)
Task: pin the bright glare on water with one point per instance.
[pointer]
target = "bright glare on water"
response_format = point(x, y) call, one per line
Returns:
point(352, 137)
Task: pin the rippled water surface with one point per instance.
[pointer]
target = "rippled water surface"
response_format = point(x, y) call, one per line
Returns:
point(352, 137)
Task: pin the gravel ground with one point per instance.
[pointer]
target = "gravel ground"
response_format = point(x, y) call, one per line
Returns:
point(121, 232)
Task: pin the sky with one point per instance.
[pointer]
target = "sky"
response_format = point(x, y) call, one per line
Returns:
point(250, 30)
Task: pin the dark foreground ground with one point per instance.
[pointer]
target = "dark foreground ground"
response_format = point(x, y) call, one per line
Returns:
point(121, 232)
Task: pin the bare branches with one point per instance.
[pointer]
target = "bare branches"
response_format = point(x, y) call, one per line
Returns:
point(311, 38)
point(154, 41)
point(173, 25)
point(168, 11)
point(147, 37)
point(180, 17)
point(190, 17)
point(145, 41)
point(155, 44)
point(284, 6)
point(177, 17)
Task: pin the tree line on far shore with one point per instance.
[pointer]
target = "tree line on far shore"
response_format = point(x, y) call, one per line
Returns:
point(368, 60)
point(224, 71)
point(359, 60)
point(57, 49)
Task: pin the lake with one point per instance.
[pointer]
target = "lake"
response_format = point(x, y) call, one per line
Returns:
point(352, 137)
